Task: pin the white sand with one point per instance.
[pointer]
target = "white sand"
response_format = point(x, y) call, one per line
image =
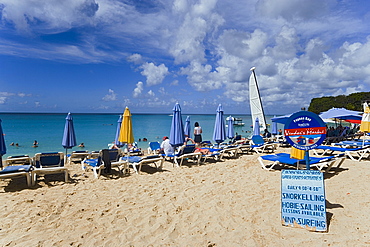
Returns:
point(230, 203)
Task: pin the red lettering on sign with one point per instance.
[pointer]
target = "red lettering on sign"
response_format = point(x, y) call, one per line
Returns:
point(305, 131)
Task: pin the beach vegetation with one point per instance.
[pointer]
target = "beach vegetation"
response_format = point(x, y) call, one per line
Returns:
point(351, 102)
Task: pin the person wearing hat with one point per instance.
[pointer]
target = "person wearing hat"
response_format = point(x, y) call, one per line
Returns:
point(166, 147)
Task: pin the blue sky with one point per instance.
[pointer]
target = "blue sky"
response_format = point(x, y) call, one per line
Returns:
point(102, 55)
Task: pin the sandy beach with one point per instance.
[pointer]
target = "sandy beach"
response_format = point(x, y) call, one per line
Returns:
point(229, 203)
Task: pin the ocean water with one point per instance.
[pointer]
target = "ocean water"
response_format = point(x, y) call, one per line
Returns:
point(96, 131)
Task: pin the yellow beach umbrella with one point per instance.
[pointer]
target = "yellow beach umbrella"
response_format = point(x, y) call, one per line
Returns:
point(126, 135)
point(365, 121)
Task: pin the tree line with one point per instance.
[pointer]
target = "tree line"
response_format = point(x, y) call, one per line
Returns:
point(351, 102)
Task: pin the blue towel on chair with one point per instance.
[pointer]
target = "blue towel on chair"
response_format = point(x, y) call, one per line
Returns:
point(13, 169)
point(132, 159)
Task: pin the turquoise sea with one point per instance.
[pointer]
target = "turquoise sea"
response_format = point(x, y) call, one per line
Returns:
point(96, 131)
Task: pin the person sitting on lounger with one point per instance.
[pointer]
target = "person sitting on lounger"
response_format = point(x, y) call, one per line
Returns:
point(188, 139)
point(204, 151)
point(166, 147)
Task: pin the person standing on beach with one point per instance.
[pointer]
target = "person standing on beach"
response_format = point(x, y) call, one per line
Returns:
point(197, 133)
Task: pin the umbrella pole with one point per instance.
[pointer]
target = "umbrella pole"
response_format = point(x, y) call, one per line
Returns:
point(1, 161)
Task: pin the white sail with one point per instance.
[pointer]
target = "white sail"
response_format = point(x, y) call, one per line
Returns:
point(255, 101)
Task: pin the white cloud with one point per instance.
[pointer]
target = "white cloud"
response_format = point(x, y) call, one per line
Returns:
point(3, 99)
point(138, 90)
point(175, 83)
point(49, 16)
point(154, 74)
point(300, 52)
point(293, 10)
point(151, 93)
point(162, 91)
point(111, 96)
point(135, 58)
point(201, 20)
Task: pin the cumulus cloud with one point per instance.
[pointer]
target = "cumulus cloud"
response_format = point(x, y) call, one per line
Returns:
point(154, 74)
point(299, 53)
point(197, 21)
point(111, 96)
point(138, 90)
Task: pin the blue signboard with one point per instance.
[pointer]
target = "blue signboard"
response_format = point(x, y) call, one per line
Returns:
point(303, 199)
point(305, 130)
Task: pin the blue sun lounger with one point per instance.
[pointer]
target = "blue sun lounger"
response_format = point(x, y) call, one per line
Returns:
point(284, 158)
point(137, 162)
point(347, 144)
point(17, 171)
point(185, 153)
point(349, 152)
point(49, 163)
point(260, 146)
point(105, 160)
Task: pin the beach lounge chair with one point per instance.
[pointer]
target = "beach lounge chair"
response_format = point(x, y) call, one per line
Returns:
point(18, 160)
point(260, 146)
point(213, 153)
point(285, 159)
point(105, 160)
point(360, 152)
point(49, 163)
point(17, 171)
point(135, 150)
point(137, 162)
point(154, 148)
point(93, 155)
point(77, 156)
point(185, 152)
point(352, 144)
point(230, 150)
point(96, 165)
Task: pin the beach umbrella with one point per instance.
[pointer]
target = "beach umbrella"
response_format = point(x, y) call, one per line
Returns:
point(274, 130)
point(365, 121)
point(281, 119)
point(126, 135)
point(69, 137)
point(219, 131)
point(187, 128)
point(230, 127)
point(177, 137)
point(256, 128)
point(340, 113)
point(2, 145)
point(116, 140)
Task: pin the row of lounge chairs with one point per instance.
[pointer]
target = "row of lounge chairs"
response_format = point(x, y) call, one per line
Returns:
point(356, 150)
point(106, 159)
point(41, 164)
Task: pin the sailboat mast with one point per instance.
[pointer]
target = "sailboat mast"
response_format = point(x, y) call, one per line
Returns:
point(259, 97)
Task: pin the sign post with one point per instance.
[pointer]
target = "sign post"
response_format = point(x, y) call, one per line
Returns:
point(303, 191)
